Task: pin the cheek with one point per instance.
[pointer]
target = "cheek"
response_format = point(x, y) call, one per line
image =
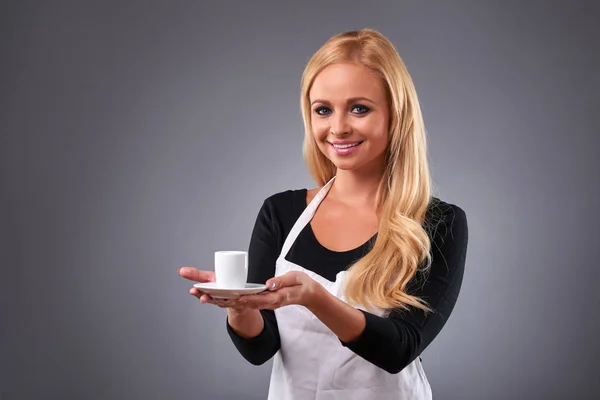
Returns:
point(319, 129)
point(376, 130)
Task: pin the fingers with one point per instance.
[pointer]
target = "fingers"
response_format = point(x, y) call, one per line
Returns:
point(203, 297)
point(197, 275)
point(266, 300)
point(223, 303)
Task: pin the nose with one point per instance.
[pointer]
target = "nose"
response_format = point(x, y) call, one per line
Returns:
point(339, 125)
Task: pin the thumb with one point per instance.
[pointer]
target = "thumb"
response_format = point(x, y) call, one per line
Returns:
point(272, 284)
point(288, 279)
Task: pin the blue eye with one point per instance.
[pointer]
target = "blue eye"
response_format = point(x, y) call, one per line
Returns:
point(322, 110)
point(360, 109)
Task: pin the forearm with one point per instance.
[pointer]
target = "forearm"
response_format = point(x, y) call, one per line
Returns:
point(383, 342)
point(247, 324)
point(257, 345)
point(345, 321)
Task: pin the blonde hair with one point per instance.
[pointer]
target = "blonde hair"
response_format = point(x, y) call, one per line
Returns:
point(402, 245)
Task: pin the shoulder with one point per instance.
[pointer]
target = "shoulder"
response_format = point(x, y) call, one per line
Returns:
point(287, 200)
point(440, 211)
point(447, 226)
point(284, 208)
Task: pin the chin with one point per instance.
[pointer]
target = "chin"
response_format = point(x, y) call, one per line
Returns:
point(350, 165)
point(356, 164)
point(346, 165)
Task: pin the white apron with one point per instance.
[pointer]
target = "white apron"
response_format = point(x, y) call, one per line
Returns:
point(312, 364)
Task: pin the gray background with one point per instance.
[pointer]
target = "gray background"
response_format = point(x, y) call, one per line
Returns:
point(138, 137)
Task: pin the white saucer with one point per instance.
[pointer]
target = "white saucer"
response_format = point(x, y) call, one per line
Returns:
point(220, 293)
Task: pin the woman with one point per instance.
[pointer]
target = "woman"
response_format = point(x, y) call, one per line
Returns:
point(364, 271)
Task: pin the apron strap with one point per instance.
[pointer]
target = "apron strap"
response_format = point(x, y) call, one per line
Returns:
point(305, 218)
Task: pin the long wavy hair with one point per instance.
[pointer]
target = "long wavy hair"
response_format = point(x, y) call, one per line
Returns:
point(402, 245)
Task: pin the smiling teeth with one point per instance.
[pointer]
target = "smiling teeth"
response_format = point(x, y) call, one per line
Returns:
point(345, 146)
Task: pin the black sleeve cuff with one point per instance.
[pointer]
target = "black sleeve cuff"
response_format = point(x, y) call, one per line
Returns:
point(376, 329)
point(259, 349)
point(262, 336)
point(384, 343)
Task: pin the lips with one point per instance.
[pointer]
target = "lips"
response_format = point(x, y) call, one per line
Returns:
point(345, 148)
point(345, 145)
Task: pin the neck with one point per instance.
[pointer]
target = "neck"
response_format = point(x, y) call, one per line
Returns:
point(357, 188)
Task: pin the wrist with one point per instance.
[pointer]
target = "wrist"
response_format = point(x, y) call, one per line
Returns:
point(234, 313)
point(245, 323)
point(346, 321)
point(315, 296)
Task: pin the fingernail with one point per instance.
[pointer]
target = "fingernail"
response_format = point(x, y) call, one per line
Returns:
point(273, 284)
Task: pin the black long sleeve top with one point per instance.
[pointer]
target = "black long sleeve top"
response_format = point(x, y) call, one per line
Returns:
point(390, 342)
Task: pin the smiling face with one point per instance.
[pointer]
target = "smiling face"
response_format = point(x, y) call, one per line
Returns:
point(350, 116)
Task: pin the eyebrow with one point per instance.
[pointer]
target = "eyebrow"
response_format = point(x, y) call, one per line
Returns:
point(351, 100)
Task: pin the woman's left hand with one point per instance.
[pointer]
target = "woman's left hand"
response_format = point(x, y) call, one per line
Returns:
point(291, 288)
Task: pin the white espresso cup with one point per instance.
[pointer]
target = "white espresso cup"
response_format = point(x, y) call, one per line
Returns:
point(231, 269)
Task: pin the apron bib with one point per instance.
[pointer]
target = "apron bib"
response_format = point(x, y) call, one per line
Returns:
point(312, 364)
